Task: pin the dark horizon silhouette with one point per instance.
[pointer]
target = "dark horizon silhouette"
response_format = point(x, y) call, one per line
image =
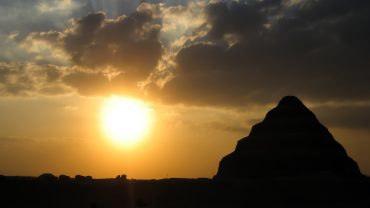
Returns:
point(288, 160)
point(184, 103)
point(290, 141)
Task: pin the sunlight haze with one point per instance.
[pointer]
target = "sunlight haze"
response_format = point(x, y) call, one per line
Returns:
point(157, 89)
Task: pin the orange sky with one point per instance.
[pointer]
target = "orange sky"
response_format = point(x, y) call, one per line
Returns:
point(64, 136)
point(208, 70)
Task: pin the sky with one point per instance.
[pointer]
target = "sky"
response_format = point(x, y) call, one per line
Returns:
point(208, 70)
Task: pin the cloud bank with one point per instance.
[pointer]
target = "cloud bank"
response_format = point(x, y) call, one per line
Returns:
point(205, 53)
point(262, 50)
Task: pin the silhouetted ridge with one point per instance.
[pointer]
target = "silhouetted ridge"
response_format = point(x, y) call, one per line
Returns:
point(290, 141)
point(290, 107)
point(290, 101)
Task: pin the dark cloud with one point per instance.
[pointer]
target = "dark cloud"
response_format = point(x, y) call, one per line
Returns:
point(235, 18)
point(116, 53)
point(113, 8)
point(36, 15)
point(21, 18)
point(88, 83)
point(30, 80)
point(99, 84)
point(227, 127)
point(248, 51)
point(318, 50)
point(122, 43)
point(127, 46)
point(344, 116)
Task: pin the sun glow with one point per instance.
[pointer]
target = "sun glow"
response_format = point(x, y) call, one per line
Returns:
point(125, 121)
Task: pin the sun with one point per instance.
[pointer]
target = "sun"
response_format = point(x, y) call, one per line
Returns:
point(125, 121)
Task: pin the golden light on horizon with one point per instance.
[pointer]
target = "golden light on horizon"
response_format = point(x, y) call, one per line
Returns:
point(125, 121)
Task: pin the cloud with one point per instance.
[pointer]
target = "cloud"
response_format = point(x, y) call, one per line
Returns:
point(258, 51)
point(205, 53)
point(13, 140)
point(22, 19)
point(123, 42)
point(118, 52)
point(88, 83)
point(104, 51)
point(36, 15)
point(348, 116)
point(227, 127)
point(114, 51)
point(17, 79)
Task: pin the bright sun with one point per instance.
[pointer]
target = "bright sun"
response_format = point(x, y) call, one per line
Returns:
point(125, 120)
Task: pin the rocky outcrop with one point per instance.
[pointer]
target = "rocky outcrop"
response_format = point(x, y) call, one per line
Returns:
point(290, 141)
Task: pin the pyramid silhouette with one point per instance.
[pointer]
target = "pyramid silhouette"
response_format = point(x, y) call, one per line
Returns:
point(290, 141)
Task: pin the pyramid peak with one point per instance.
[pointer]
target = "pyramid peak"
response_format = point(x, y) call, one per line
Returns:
point(290, 101)
point(290, 107)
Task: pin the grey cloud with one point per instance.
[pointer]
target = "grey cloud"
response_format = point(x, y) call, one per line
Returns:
point(318, 50)
point(113, 8)
point(18, 79)
point(235, 18)
point(100, 84)
point(123, 43)
point(254, 51)
point(226, 127)
point(127, 46)
point(25, 16)
point(20, 18)
point(116, 53)
point(88, 83)
point(344, 116)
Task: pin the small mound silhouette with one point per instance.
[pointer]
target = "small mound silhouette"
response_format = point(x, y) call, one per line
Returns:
point(290, 141)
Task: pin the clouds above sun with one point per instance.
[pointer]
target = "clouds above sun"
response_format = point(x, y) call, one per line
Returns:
point(206, 53)
point(262, 50)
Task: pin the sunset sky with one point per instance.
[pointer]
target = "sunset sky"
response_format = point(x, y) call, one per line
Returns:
point(205, 70)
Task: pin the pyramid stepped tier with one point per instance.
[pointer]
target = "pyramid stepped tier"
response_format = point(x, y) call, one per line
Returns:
point(290, 141)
